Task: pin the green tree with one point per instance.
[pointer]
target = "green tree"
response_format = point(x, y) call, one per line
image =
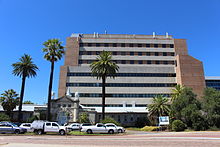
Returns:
point(211, 106)
point(188, 109)
point(54, 51)
point(9, 100)
point(25, 68)
point(84, 118)
point(159, 106)
point(102, 68)
point(28, 102)
point(176, 92)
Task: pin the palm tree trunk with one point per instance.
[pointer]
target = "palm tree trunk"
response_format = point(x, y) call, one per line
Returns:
point(103, 97)
point(50, 90)
point(21, 98)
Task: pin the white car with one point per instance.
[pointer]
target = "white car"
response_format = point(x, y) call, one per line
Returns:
point(120, 129)
point(74, 126)
point(27, 126)
point(99, 128)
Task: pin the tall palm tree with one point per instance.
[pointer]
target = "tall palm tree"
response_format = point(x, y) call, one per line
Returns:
point(53, 52)
point(176, 92)
point(159, 107)
point(9, 100)
point(102, 68)
point(25, 68)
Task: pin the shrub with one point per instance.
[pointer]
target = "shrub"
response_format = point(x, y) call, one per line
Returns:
point(110, 120)
point(178, 125)
point(150, 128)
point(84, 118)
point(141, 122)
point(4, 117)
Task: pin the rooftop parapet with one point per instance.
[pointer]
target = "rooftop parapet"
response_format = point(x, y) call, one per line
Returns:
point(122, 36)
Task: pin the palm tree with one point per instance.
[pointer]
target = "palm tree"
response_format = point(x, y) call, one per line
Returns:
point(25, 68)
point(9, 100)
point(176, 92)
point(53, 52)
point(159, 107)
point(102, 68)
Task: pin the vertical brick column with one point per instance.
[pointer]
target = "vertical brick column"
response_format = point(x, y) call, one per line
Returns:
point(71, 59)
point(189, 71)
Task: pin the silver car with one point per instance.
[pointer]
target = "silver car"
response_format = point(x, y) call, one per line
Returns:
point(7, 127)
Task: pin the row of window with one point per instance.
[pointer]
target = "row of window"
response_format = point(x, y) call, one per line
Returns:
point(114, 105)
point(128, 74)
point(64, 105)
point(133, 62)
point(126, 45)
point(129, 53)
point(121, 95)
point(121, 84)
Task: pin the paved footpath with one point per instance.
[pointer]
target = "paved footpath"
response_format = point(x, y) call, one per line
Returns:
point(167, 139)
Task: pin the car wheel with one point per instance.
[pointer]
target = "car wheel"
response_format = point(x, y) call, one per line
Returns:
point(17, 132)
point(111, 132)
point(89, 131)
point(120, 131)
point(39, 132)
point(62, 132)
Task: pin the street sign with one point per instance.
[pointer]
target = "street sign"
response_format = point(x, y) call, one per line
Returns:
point(164, 120)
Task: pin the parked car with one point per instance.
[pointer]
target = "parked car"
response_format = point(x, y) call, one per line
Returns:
point(41, 127)
point(8, 127)
point(74, 126)
point(99, 128)
point(27, 126)
point(120, 129)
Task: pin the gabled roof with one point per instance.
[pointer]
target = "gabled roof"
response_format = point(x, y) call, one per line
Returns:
point(64, 97)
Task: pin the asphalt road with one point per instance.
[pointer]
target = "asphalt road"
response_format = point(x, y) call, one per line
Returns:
point(168, 139)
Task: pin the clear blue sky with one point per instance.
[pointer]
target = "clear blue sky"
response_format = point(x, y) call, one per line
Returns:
point(26, 24)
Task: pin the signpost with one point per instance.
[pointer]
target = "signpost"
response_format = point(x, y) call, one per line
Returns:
point(163, 120)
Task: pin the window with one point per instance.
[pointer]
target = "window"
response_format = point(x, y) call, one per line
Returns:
point(131, 61)
point(69, 105)
point(171, 46)
point(54, 125)
point(80, 61)
point(106, 45)
point(148, 62)
point(164, 54)
point(131, 45)
point(156, 45)
point(156, 54)
point(125, 118)
point(97, 52)
point(114, 53)
point(157, 62)
point(89, 44)
point(100, 125)
point(140, 62)
point(172, 54)
point(139, 45)
point(123, 45)
point(128, 105)
point(123, 53)
point(89, 53)
point(48, 124)
point(148, 53)
point(163, 45)
point(165, 62)
point(81, 45)
point(64, 105)
point(59, 105)
point(147, 45)
point(97, 44)
point(131, 53)
point(139, 53)
point(123, 62)
point(114, 44)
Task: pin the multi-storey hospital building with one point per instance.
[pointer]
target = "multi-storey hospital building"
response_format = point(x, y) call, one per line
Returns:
point(149, 65)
